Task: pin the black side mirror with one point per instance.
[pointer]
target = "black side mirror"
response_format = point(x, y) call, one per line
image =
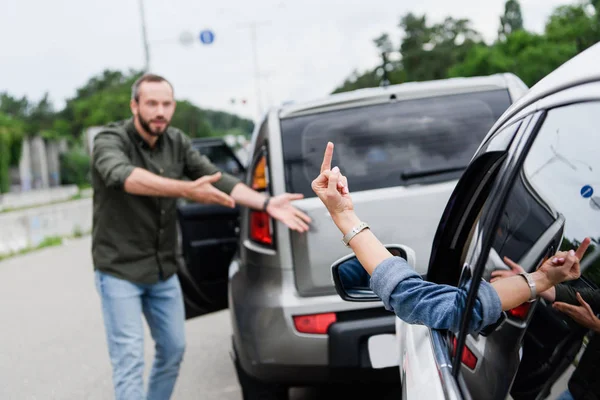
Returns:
point(352, 282)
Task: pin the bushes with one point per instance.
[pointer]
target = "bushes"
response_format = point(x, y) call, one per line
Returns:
point(75, 168)
point(11, 142)
point(5, 157)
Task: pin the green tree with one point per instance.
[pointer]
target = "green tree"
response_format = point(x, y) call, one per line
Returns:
point(385, 47)
point(512, 20)
point(574, 24)
point(359, 80)
point(11, 139)
point(14, 107)
point(191, 120)
point(429, 51)
point(106, 97)
point(415, 55)
point(41, 116)
point(527, 55)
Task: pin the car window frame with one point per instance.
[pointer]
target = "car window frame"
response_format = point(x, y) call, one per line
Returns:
point(492, 212)
point(496, 149)
point(468, 204)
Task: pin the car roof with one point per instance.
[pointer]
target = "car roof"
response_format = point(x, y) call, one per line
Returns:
point(208, 141)
point(581, 69)
point(403, 91)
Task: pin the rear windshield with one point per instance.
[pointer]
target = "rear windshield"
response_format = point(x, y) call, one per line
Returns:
point(391, 144)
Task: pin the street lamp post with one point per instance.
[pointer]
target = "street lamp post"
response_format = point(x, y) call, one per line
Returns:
point(145, 38)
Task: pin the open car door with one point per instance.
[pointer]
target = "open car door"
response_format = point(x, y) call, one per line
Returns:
point(209, 239)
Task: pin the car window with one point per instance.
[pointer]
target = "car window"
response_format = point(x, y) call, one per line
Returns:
point(553, 204)
point(559, 178)
point(392, 144)
point(457, 227)
point(223, 158)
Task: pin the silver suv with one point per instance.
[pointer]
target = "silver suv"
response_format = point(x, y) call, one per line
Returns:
point(403, 149)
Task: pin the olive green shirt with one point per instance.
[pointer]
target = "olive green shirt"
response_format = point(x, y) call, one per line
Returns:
point(135, 237)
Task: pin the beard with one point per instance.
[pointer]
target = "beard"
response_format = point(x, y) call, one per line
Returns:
point(146, 125)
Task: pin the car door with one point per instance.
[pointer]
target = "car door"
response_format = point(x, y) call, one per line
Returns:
point(425, 354)
point(543, 202)
point(209, 239)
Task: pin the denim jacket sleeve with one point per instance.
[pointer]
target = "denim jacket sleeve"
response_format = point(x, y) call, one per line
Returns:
point(416, 301)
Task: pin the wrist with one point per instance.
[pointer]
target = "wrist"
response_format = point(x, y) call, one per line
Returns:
point(266, 205)
point(542, 282)
point(185, 188)
point(345, 221)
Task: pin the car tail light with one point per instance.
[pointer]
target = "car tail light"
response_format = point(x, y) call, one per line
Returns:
point(468, 358)
point(519, 312)
point(260, 223)
point(259, 175)
point(260, 227)
point(316, 323)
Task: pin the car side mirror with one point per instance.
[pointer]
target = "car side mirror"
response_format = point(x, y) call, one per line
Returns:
point(352, 282)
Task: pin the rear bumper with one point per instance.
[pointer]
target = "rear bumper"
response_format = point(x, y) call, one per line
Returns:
point(262, 303)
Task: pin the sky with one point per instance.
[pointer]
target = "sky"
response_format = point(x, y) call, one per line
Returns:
point(304, 49)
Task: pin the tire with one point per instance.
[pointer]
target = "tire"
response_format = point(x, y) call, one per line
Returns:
point(254, 389)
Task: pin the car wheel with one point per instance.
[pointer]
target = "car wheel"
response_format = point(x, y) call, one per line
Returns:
point(254, 389)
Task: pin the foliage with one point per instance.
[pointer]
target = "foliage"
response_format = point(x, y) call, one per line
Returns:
point(4, 163)
point(105, 98)
point(512, 20)
point(11, 139)
point(527, 55)
point(102, 99)
point(453, 49)
point(75, 167)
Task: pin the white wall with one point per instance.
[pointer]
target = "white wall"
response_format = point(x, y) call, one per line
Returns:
point(37, 197)
point(28, 228)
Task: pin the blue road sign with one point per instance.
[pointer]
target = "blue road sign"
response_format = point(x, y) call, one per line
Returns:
point(587, 191)
point(207, 36)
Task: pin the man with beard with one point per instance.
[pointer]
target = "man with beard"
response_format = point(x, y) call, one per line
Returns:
point(138, 166)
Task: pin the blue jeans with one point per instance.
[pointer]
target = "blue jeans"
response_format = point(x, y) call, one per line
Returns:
point(123, 303)
point(566, 395)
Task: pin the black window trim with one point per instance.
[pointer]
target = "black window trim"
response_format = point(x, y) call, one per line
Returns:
point(499, 195)
point(463, 203)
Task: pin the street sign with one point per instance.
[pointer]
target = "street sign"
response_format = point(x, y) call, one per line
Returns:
point(587, 191)
point(186, 38)
point(207, 36)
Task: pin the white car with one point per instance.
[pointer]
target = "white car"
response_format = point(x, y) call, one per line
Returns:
point(531, 189)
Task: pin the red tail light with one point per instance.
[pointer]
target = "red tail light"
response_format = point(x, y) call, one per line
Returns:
point(520, 312)
point(317, 323)
point(260, 227)
point(468, 358)
point(260, 222)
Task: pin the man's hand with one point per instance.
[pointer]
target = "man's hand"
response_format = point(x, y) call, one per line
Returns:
point(202, 191)
point(582, 314)
point(281, 209)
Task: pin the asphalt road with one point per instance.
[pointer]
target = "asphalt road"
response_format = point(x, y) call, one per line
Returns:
point(52, 343)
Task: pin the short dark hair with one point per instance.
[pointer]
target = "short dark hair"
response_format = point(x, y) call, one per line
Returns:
point(135, 89)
